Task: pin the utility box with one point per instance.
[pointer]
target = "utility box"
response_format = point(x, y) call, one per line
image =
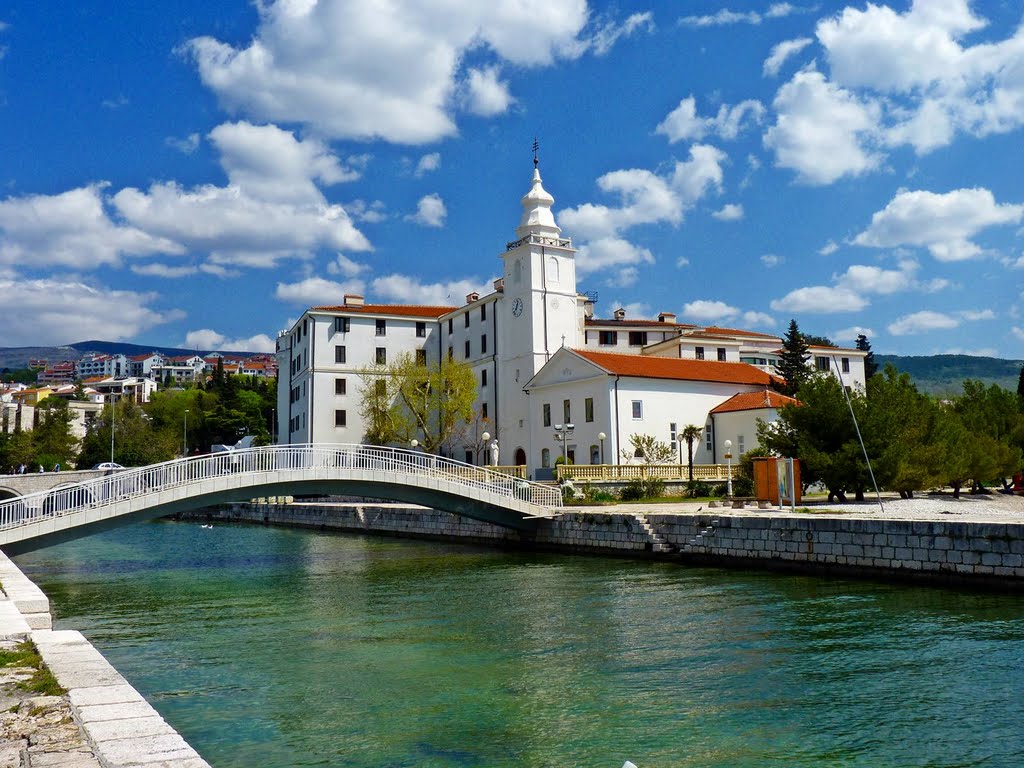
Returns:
point(772, 480)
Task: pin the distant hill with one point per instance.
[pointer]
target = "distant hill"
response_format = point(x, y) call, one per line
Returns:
point(18, 357)
point(945, 374)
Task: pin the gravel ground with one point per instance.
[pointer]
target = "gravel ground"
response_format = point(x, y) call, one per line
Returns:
point(994, 507)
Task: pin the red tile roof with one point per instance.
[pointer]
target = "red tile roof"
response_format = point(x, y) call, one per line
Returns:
point(836, 349)
point(683, 369)
point(411, 310)
point(751, 401)
point(736, 332)
point(646, 323)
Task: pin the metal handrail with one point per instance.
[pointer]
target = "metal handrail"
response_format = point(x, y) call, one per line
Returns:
point(122, 485)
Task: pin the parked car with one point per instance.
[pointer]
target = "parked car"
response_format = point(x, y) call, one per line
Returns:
point(109, 466)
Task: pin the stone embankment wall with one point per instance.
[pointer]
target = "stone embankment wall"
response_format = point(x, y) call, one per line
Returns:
point(117, 723)
point(986, 554)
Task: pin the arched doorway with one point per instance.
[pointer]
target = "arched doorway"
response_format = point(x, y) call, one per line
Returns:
point(520, 457)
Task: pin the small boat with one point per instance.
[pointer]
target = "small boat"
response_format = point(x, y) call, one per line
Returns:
point(210, 525)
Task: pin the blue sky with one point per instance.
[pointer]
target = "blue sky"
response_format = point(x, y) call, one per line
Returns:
point(196, 174)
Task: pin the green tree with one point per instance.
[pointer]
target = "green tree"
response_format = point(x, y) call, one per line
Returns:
point(993, 418)
point(792, 366)
point(52, 440)
point(649, 449)
point(870, 366)
point(818, 341)
point(408, 400)
point(135, 440)
point(691, 433)
point(1020, 388)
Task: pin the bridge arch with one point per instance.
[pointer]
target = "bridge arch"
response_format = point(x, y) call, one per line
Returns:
point(78, 509)
point(8, 493)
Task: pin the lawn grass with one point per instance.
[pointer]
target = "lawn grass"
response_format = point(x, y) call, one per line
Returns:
point(42, 681)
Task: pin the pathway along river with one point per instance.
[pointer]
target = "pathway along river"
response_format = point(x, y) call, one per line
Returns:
point(269, 648)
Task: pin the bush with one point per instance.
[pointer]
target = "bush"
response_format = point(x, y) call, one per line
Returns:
point(596, 495)
point(742, 486)
point(643, 488)
point(698, 488)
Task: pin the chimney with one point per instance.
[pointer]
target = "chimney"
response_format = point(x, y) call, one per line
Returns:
point(499, 285)
point(471, 297)
point(620, 314)
point(588, 309)
point(667, 317)
point(353, 300)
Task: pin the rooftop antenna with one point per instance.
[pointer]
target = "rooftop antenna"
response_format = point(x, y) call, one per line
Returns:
point(536, 146)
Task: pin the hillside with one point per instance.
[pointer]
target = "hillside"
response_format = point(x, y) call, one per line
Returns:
point(944, 374)
point(18, 357)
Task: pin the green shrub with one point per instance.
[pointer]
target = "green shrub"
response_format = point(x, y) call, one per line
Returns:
point(698, 488)
point(742, 486)
point(643, 488)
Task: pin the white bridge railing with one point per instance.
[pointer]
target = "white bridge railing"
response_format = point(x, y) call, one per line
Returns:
point(326, 461)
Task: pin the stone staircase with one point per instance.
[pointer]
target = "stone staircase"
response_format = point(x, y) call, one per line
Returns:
point(700, 540)
point(658, 542)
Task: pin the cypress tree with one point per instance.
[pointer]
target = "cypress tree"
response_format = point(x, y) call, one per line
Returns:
point(792, 365)
point(1020, 386)
point(870, 366)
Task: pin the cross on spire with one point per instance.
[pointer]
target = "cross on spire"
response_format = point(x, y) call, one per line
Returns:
point(536, 146)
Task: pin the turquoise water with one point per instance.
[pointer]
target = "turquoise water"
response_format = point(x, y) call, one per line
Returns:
point(269, 648)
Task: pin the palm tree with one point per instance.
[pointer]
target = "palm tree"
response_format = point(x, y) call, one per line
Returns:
point(691, 433)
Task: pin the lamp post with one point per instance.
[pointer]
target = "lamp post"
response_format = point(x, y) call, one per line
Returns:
point(486, 437)
point(184, 439)
point(562, 434)
point(728, 468)
point(601, 436)
point(112, 403)
point(273, 426)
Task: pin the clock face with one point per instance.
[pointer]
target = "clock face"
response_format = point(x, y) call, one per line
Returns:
point(517, 307)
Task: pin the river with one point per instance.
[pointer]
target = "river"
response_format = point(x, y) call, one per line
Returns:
point(274, 648)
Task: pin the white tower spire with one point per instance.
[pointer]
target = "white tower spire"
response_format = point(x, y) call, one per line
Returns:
point(537, 216)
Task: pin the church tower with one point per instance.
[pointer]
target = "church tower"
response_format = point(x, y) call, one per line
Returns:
point(540, 308)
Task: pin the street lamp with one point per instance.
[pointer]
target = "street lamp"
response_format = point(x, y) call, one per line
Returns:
point(562, 434)
point(112, 403)
point(184, 439)
point(601, 436)
point(273, 426)
point(414, 443)
point(728, 468)
point(486, 438)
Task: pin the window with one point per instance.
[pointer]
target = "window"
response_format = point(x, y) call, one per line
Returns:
point(483, 378)
point(595, 455)
point(382, 327)
point(421, 330)
point(846, 364)
point(637, 338)
point(382, 356)
point(483, 312)
point(465, 318)
point(608, 338)
point(739, 445)
point(339, 354)
point(483, 344)
point(483, 410)
point(710, 439)
point(552, 269)
point(421, 357)
point(340, 418)
point(449, 326)
point(566, 412)
point(469, 456)
point(638, 409)
point(698, 353)
point(467, 346)
point(545, 457)
point(547, 414)
point(340, 387)
point(672, 434)
point(342, 324)
point(305, 328)
point(721, 354)
point(588, 409)
point(821, 363)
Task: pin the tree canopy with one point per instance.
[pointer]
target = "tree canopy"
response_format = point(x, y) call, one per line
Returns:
point(792, 367)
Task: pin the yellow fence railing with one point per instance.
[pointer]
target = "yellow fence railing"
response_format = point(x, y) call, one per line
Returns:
point(614, 472)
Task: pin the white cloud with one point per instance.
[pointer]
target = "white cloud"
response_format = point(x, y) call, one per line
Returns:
point(115, 103)
point(372, 213)
point(72, 229)
point(358, 71)
point(1017, 263)
point(828, 248)
point(943, 223)
point(758, 319)
point(485, 94)
point(627, 276)
point(771, 260)
point(405, 289)
point(604, 253)
point(314, 291)
point(870, 279)
point(849, 335)
point(820, 299)
point(726, 16)
point(781, 53)
point(342, 265)
point(704, 311)
point(427, 163)
point(729, 212)
point(922, 322)
point(974, 315)
point(646, 199)
point(186, 146)
point(634, 311)
point(164, 270)
point(684, 124)
point(268, 163)
point(209, 340)
point(971, 352)
point(822, 131)
point(1018, 332)
point(607, 33)
point(56, 312)
point(430, 211)
point(682, 261)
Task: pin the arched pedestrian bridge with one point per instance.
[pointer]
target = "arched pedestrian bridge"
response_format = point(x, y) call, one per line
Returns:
point(40, 519)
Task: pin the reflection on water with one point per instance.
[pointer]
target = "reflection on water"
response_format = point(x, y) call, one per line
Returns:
point(278, 648)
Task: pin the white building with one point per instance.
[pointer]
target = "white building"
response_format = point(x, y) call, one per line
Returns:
point(542, 359)
point(98, 364)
